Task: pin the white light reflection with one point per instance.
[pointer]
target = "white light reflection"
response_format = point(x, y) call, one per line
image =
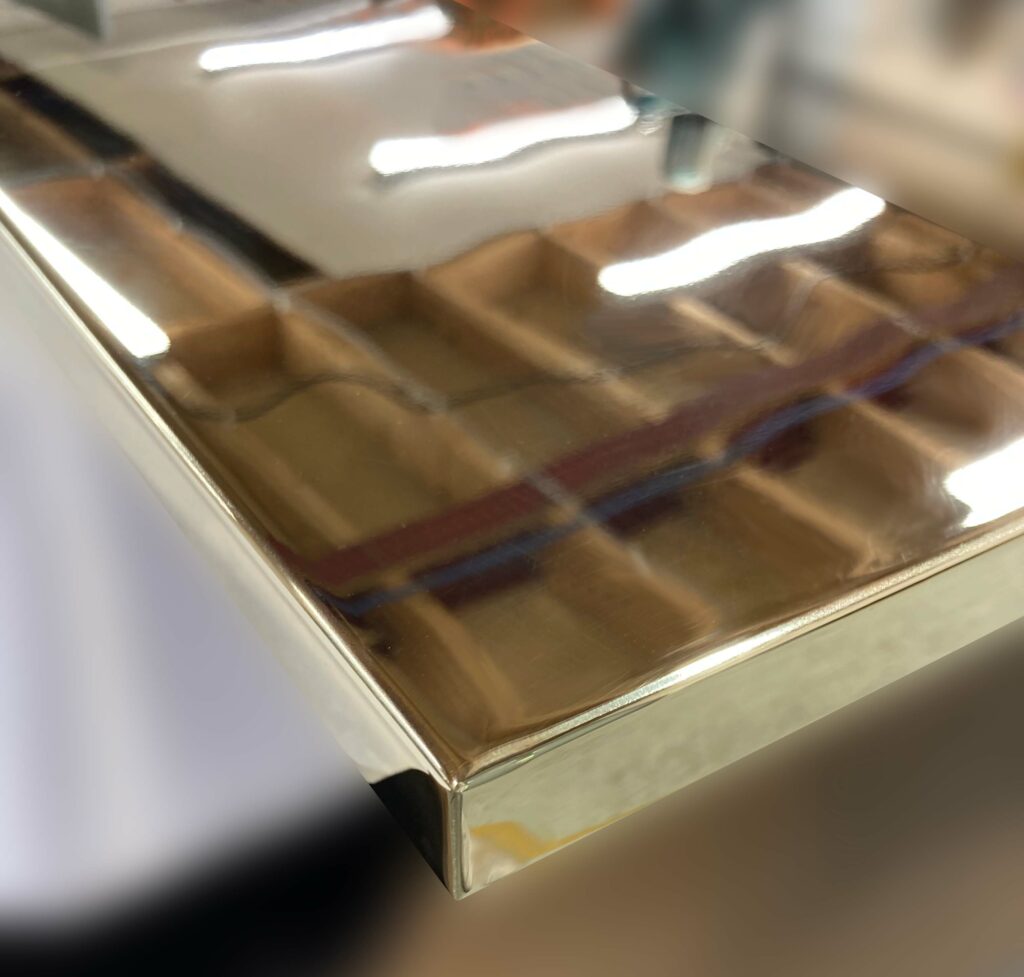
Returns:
point(488, 144)
point(425, 24)
point(991, 487)
point(134, 330)
point(716, 251)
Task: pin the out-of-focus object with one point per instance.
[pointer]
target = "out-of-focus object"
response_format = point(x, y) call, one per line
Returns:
point(87, 15)
point(921, 102)
point(965, 27)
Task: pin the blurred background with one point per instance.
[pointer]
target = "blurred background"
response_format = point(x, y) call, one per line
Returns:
point(167, 799)
point(922, 101)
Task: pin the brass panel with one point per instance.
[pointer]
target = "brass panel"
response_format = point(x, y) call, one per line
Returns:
point(561, 518)
point(30, 144)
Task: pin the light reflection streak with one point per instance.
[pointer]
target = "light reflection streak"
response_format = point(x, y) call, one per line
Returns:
point(718, 250)
point(990, 487)
point(428, 23)
point(489, 144)
point(132, 328)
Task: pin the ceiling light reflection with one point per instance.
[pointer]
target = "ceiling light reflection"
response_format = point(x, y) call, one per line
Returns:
point(428, 23)
point(491, 143)
point(716, 251)
point(134, 330)
point(991, 487)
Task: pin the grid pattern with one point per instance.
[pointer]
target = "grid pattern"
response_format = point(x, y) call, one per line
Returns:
point(528, 497)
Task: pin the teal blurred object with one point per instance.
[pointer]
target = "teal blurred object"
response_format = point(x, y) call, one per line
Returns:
point(688, 47)
point(87, 15)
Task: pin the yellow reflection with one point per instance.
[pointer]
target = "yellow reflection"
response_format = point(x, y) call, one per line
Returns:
point(489, 144)
point(424, 24)
point(134, 330)
point(716, 251)
point(991, 487)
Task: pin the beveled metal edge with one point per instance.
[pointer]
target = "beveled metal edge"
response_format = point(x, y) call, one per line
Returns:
point(315, 651)
point(732, 702)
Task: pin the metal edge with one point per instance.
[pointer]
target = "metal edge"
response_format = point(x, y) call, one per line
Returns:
point(747, 696)
point(312, 649)
point(743, 649)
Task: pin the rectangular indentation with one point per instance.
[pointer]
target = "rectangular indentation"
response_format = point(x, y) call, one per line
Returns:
point(752, 560)
point(315, 433)
point(870, 479)
point(607, 623)
point(801, 306)
point(514, 646)
point(519, 408)
point(669, 355)
point(911, 261)
point(531, 280)
point(662, 354)
point(963, 400)
point(136, 250)
point(676, 353)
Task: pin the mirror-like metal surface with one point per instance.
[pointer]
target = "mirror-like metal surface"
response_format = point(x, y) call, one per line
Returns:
point(539, 444)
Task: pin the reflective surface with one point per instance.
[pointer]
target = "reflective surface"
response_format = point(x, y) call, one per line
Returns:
point(541, 433)
point(867, 92)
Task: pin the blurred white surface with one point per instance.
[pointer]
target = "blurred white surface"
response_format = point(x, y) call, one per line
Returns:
point(144, 728)
point(327, 204)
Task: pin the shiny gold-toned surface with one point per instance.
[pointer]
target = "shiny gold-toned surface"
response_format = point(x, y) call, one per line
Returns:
point(547, 479)
point(30, 143)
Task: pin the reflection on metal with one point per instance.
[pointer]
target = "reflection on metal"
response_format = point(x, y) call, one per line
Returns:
point(990, 487)
point(543, 555)
point(139, 335)
point(87, 15)
point(910, 99)
point(421, 23)
point(716, 251)
point(498, 141)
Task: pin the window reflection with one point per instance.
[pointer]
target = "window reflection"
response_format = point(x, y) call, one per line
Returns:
point(132, 328)
point(990, 487)
point(716, 251)
point(501, 140)
point(422, 23)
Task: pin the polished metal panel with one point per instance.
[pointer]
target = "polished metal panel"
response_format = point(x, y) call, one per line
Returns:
point(559, 481)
